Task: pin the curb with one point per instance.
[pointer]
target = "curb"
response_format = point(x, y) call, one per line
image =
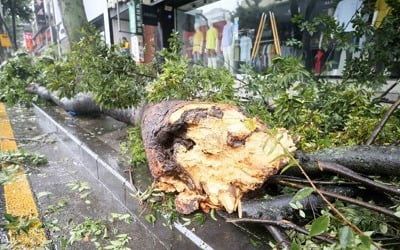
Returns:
point(99, 169)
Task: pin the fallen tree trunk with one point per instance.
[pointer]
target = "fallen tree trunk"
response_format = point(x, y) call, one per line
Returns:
point(80, 104)
point(210, 153)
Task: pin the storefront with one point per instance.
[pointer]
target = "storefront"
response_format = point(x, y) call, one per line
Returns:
point(226, 32)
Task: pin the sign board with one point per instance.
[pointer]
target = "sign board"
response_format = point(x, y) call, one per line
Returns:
point(40, 13)
point(5, 41)
point(137, 48)
point(28, 40)
point(135, 17)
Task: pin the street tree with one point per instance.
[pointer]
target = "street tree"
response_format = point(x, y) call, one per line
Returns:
point(74, 18)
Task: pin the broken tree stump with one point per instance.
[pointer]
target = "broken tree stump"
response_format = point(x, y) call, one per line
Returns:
point(211, 154)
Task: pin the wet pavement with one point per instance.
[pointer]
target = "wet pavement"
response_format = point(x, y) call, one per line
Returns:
point(84, 151)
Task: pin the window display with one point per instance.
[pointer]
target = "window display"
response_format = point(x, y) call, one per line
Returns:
point(224, 33)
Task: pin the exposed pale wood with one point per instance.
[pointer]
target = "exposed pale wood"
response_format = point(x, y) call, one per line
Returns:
point(210, 153)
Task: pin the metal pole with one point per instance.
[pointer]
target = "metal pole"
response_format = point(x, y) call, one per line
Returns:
point(12, 8)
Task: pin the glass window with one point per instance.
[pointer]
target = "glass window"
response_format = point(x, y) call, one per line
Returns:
point(226, 33)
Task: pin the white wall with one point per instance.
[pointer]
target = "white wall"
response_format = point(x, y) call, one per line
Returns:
point(95, 8)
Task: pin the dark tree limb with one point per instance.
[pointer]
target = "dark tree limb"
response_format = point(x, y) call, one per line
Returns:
point(278, 207)
point(285, 224)
point(375, 208)
point(370, 160)
point(380, 126)
point(350, 174)
point(279, 236)
point(386, 91)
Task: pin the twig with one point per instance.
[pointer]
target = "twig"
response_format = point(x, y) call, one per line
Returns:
point(347, 199)
point(330, 205)
point(386, 91)
point(285, 224)
point(280, 237)
point(380, 126)
point(343, 171)
point(300, 180)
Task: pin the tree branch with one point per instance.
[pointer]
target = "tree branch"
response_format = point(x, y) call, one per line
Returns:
point(285, 224)
point(350, 174)
point(347, 199)
point(380, 126)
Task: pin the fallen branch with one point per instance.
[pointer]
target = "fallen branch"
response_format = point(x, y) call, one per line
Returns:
point(386, 91)
point(285, 224)
point(380, 126)
point(279, 236)
point(370, 160)
point(278, 207)
point(375, 208)
point(350, 174)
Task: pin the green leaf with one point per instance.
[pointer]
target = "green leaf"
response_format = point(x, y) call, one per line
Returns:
point(295, 246)
point(397, 214)
point(42, 194)
point(383, 228)
point(319, 226)
point(366, 240)
point(346, 236)
point(302, 193)
point(150, 218)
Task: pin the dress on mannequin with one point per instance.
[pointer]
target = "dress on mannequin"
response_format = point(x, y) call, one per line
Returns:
point(227, 44)
point(245, 48)
point(211, 45)
point(198, 40)
point(345, 12)
point(381, 11)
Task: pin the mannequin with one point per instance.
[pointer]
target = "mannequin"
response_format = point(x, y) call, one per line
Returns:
point(245, 48)
point(345, 12)
point(211, 45)
point(381, 11)
point(198, 40)
point(227, 43)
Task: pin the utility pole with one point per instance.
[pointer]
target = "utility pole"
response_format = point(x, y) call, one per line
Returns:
point(14, 28)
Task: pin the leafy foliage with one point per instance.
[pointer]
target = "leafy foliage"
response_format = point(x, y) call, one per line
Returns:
point(134, 147)
point(16, 74)
point(181, 81)
point(22, 158)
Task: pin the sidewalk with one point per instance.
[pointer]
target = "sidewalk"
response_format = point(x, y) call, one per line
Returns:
point(86, 150)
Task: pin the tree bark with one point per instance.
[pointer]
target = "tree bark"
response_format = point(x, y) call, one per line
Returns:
point(74, 18)
point(370, 160)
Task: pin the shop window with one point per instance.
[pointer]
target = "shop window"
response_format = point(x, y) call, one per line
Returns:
point(226, 33)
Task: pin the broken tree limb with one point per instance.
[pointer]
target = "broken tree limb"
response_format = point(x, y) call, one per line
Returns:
point(380, 126)
point(350, 174)
point(370, 160)
point(210, 153)
point(279, 236)
point(386, 91)
point(375, 208)
point(285, 224)
point(279, 208)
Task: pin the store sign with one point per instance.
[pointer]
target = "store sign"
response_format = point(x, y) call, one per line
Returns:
point(137, 48)
point(135, 17)
point(28, 40)
point(39, 12)
point(5, 41)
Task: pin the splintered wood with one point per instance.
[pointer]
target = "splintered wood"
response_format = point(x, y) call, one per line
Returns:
point(211, 154)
